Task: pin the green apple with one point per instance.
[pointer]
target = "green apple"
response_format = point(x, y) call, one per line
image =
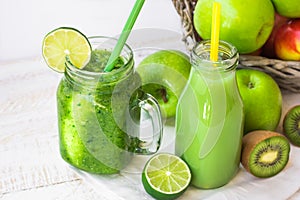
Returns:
point(262, 100)
point(287, 8)
point(247, 24)
point(164, 75)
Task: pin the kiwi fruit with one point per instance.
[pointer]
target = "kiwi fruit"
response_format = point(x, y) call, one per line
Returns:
point(291, 125)
point(265, 153)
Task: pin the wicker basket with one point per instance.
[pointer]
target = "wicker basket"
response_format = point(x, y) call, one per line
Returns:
point(286, 73)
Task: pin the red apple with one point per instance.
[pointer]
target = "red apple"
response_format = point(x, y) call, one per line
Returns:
point(287, 41)
point(268, 50)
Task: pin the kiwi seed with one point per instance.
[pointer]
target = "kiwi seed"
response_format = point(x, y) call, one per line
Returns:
point(265, 153)
point(291, 125)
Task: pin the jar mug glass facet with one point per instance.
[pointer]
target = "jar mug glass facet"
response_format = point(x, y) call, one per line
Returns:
point(99, 113)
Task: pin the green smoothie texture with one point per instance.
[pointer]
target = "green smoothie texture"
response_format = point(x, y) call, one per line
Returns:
point(92, 128)
point(99, 60)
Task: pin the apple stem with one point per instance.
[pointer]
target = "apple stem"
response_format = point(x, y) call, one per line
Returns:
point(250, 85)
point(164, 95)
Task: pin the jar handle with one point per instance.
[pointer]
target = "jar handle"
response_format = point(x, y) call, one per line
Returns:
point(150, 119)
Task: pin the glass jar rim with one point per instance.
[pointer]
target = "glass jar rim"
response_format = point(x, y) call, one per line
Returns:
point(109, 76)
point(92, 40)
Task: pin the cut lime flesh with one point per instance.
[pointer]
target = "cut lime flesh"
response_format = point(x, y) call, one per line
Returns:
point(62, 42)
point(166, 176)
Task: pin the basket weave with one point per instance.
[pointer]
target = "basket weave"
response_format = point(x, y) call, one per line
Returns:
point(285, 73)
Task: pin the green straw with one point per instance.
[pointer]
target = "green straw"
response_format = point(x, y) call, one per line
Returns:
point(124, 35)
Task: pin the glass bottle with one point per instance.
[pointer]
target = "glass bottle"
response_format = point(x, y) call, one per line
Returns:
point(209, 118)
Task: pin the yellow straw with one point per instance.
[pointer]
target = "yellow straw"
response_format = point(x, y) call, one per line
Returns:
point(215, 31)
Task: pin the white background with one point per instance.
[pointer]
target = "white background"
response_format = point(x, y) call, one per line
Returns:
point(24, 23)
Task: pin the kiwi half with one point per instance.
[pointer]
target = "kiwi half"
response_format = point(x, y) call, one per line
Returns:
point(265, 153)
point(291, 125)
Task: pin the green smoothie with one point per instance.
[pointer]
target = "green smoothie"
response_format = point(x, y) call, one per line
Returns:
point(92, 128)
point(209, 125)
point(100, 114)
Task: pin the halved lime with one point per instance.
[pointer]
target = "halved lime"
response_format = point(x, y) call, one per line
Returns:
point(65, 41)
point(166, 176)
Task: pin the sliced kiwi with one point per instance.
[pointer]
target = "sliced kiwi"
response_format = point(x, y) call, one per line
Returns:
point(291, 125)
point(265, 153)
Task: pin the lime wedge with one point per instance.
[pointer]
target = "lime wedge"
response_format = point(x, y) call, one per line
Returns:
point(62, 42)
point(166, 176)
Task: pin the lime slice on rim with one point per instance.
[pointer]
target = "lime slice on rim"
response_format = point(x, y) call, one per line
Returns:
point(65, 41)
point(166, 176)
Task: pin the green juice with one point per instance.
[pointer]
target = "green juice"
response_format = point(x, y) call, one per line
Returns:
point(209, 126)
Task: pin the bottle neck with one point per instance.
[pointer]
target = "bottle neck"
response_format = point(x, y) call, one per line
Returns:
point(227, 58)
